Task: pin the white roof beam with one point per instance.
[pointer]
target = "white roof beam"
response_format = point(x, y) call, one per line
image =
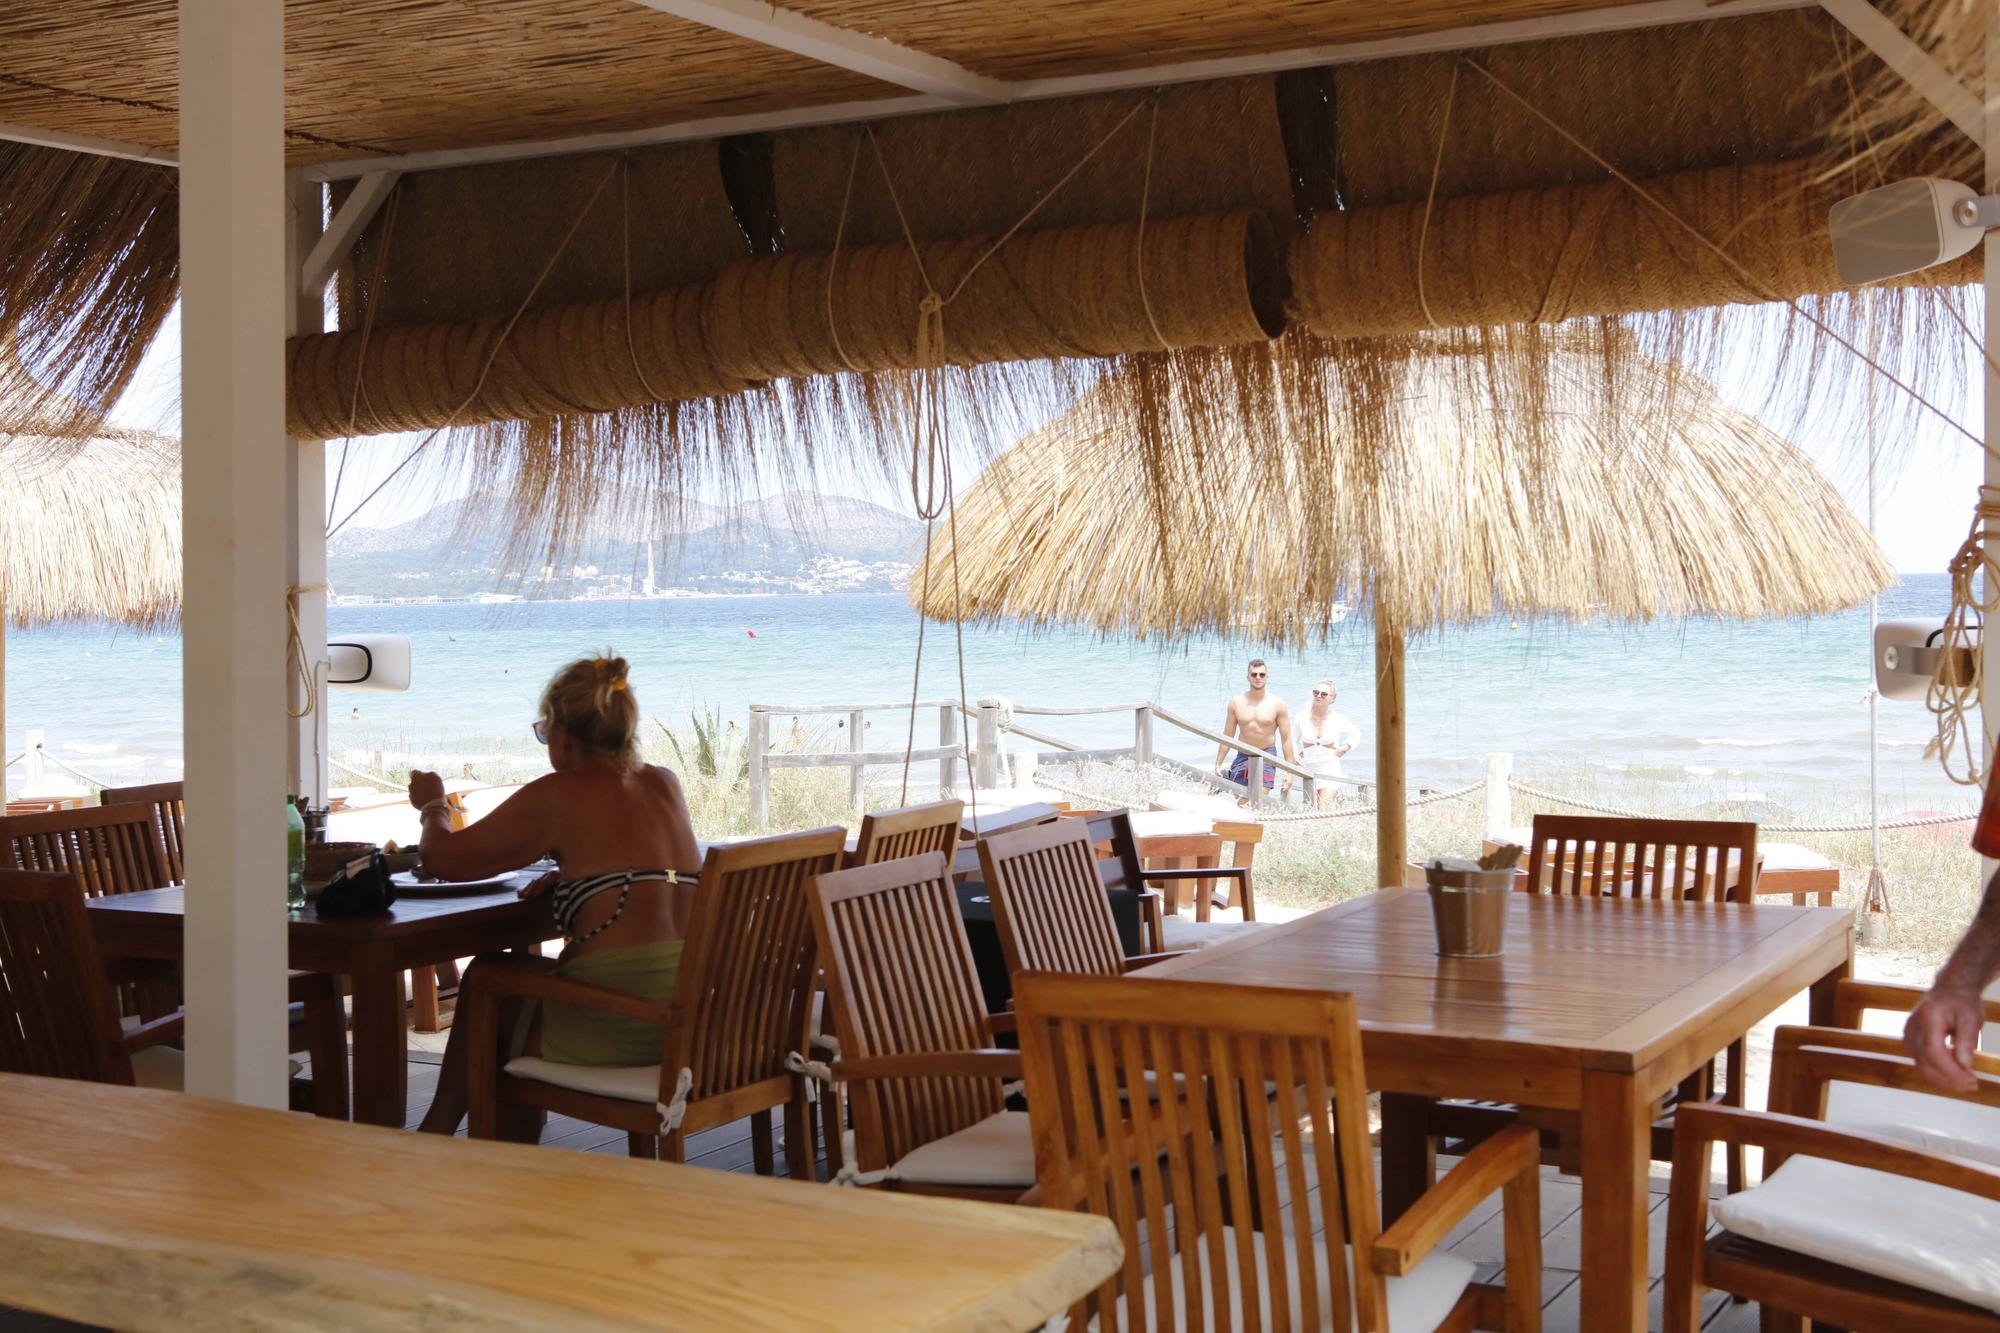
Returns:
point(86, 143)
point(1917, 66)
point(355, 212)
point(876, 57)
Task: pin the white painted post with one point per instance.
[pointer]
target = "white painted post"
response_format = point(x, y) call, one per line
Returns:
point(235, 290)
point(947, 739)
point(855, 723)
point(1256, 776)
point(33, 774)
point(1499, 796)
point(1989, 676)
point(758, 739)
point(305, 480)
point(986, 763)
point(1142, 736)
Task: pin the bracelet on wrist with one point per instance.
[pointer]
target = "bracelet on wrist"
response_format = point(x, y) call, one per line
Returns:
point(441, 805)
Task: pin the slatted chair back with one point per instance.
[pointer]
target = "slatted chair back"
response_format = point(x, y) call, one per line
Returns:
point(1697, 860)
point(1119, 866)
point(749, 965)
point(57, 1017)
point(1049, 902)
point(901, 981)
point(106, 849)
point(169, 817)
point(1270, 1102)
point(891, 835)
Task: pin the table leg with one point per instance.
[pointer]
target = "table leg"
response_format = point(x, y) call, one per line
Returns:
point(381, 1050)
point(1820, 1004)
point(1409, 1157)
point(1617, 1140)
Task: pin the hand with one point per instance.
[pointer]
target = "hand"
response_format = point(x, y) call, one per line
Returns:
point(425, 788)
point(1285, 787)
point(539, 886)
point(1942, 1034)
point(1344, 749)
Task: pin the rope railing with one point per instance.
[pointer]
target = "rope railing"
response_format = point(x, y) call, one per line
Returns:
point(1257, 816)
point(1598, 807)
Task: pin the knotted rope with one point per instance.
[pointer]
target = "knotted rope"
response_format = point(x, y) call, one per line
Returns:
point(673, 1111)
point(1952, 696)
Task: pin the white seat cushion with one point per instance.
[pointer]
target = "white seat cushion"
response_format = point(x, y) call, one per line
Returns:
point(1417, 1303)
point(1885, 1225)
point(1936, 1124)
point(628, 1083)
point(998, 1151)
point(1179, 933)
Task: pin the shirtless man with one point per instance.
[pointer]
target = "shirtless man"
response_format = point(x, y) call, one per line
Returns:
point(1260, 720)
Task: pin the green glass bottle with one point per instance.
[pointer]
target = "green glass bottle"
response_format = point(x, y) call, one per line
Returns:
point(295, 855)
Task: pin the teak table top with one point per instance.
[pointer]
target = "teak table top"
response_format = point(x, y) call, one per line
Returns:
point(141, 1209)
point(1602, 983)
point(409, 915)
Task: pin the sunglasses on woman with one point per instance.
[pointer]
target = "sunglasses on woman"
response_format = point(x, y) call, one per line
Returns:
point(541, 729)
point(1321, 694)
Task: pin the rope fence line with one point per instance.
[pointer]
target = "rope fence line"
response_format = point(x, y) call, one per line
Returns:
point(1101, 802)
point(1922, 821)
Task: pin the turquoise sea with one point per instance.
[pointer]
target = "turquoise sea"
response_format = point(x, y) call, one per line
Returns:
point(1773, 709)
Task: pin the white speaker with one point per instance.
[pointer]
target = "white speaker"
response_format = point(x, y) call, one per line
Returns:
point(1907, 655)
point(376, 662)
point(1902, 227)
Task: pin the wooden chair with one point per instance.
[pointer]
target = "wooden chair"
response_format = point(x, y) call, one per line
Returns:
point(1049, 902)
point(1815, 1240)
point(105, 849)
point(59, 1018)
point(169, 819)
point(1690, 860)
point(891, 835)
point(736, 1027)
point(1121, 867)
point(1302, 1162)
point(929, 1103)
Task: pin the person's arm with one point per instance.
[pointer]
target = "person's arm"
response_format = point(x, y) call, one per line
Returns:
point(1228, 729)
point(1288, 739)
point(1943, 1031)
point(517, 833)
point(1348, 735)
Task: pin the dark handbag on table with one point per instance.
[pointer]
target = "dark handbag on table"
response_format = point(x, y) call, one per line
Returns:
point(360, 888)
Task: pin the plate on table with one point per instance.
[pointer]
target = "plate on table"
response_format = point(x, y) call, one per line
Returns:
point(408, 885)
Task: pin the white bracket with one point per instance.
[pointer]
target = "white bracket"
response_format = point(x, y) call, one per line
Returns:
point(1917, 66)
point(355, 212)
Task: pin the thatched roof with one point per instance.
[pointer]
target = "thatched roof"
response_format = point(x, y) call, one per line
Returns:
point(1628, 496)
point(90, 533)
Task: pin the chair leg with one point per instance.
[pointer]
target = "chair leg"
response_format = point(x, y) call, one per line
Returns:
point(642, 1145)
point(1777, 1321)
point(799, 1154)
point(326, 1047)
point(762, 1152)
point(830, 1133)
point(1734, 1155)
point(424, 999)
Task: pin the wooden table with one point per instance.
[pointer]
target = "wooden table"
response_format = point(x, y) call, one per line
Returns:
point(149, 1210)
point(372, 952)
point(1598, 1006)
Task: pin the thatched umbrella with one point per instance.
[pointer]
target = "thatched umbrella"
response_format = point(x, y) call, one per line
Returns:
point(88, 532)
point(1623, 494)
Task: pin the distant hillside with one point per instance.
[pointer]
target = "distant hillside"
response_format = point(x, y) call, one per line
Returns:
point(798, 541)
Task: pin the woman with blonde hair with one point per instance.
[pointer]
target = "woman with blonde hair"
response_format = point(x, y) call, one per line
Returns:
point(1324, 738)
point(622, 892)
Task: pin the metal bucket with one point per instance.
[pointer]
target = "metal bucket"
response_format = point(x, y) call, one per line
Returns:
point(1469, 909)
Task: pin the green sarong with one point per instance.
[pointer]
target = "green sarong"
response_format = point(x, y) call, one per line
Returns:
point(574, 1035)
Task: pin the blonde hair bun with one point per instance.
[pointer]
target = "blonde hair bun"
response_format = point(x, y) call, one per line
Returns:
point(592, 701)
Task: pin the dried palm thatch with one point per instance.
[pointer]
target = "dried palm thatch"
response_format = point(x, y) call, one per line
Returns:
point(89, 268)
point(91, 532)
point(1624, 497)
point(1885, 114)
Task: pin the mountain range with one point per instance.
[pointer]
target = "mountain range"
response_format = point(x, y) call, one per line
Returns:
point(797, 541)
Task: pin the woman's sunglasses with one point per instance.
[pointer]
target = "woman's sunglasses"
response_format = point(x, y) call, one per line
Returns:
point(1321, 694)
point(541, 729)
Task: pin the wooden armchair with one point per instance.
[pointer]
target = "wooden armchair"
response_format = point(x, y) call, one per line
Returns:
point(168, 804)
point(1049, 902)
point(891, 835)
point(1123, 868)
point(1685, 859)
point(1857, 1230)
point(59, 1015)
point(1087, 1039)
point(736, 1026)
point(929, 1101)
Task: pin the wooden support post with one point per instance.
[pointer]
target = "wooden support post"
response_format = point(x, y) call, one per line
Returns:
point(236, 291)
point(305, 482)
point(1499, 796)
point(1142, 736)
point(1391, 819)
point(758, 739)
point(986, 763)
point(856, 720)
point(947, 739)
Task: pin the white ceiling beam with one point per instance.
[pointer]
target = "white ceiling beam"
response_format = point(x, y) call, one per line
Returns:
point(1918, 67)
point(843, 48)
point(86, 143)
point(1577, 23)
point(355, 212)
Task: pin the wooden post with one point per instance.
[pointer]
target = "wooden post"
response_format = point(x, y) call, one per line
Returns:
point(1142, 736)
point(236, 295)
point(947, 739)
point(758, 738)
point(1499, 796)
point(855, 721)
point(1391, 819)
point(986, 763)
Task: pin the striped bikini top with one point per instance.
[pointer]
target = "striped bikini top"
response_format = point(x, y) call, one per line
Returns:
point(569, 895)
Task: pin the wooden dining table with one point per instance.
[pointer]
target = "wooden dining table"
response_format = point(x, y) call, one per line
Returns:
point(1597, 1007)
point(131, 1208)
point(373, 952)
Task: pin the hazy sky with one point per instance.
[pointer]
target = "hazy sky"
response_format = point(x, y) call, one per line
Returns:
point(1927, 481)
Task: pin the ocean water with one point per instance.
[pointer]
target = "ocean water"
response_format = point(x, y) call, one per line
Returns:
point(1771, 709)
